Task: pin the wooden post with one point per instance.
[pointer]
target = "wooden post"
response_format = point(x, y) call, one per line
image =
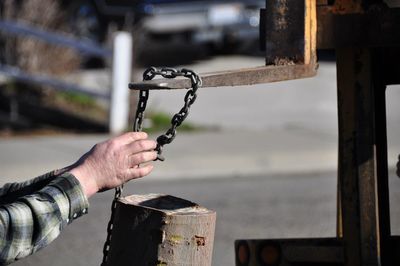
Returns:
point(161, 230)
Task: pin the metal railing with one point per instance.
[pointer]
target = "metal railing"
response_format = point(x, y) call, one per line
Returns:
point(84, 47)
point(121, 67)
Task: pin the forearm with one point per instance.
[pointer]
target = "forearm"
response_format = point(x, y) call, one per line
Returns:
point(12, 191)
point(33, 221)
point(33, 215)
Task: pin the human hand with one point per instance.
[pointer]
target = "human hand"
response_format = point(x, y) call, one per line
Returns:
point(112, 163)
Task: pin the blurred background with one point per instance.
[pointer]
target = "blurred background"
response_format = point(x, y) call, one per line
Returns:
point(263, 156)
point(63, 55)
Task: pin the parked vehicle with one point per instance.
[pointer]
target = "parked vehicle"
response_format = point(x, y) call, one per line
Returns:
point(219, 23)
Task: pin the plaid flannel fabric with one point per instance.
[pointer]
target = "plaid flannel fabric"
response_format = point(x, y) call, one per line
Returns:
point(33, 213)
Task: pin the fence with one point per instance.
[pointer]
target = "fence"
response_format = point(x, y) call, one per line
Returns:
point(121, 67)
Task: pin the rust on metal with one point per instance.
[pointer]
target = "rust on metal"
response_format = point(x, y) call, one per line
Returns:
point(366, 37)
point(341, 6)
point(377, 28)
point(291, 28)
point(289, 31)
point(284, 31)
point(362, 158)
point(346, 6)
point(250, 76)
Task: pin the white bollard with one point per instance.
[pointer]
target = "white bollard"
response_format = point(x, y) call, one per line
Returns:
point(121, 76)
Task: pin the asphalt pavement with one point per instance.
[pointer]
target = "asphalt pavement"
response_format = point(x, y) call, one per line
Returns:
point(286, 127)
point(268, 167)
point(267, 206)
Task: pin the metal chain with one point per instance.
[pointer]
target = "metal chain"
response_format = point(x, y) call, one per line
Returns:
point(141, 107)
point(106, 248)
point(166, 138)
point(189, 99)
point(137, 126)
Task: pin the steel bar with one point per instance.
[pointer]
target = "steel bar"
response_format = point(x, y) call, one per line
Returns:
point(377, 28)
point(288, 31)
point(290, 46)
point(241, 77)
point(382, 175)
point(285, 27)
point(359, 165)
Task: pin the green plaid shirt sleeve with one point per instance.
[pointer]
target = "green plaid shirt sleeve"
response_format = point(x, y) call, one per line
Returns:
point(32, 214)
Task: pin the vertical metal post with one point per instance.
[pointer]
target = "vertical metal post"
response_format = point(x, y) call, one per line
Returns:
point(121, 76)
point(362, 157)
point(381, 153)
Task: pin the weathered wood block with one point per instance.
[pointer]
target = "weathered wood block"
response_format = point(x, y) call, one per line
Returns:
point(160, 230)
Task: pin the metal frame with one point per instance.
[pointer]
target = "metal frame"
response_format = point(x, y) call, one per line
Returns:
point(363, 184)
point(250, 76)
point(366, 38)
point(365, 35)
point(296, 24)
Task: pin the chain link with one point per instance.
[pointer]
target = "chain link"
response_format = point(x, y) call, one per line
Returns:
point(166, 138)
point(137, 126)
point(189, 99)
point(106, 248)
point(141, 107)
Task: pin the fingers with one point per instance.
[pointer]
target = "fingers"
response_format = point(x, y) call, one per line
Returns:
point(130, 137)
point(143, 157)
point(140, 146)
point(139, 171)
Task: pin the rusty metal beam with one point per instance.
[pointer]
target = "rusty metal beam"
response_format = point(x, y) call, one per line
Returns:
point(362, 163)
point(288, 31)
point(250, 76)
point(377, 28)
point(285, 60)
point(382, 176)
point(285, 28)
